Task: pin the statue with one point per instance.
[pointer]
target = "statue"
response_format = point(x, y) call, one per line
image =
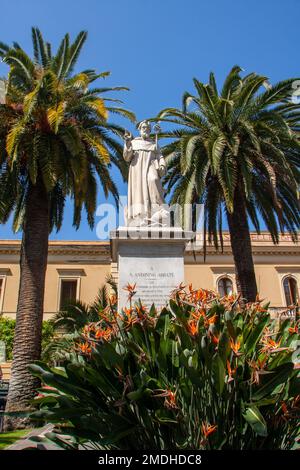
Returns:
point(146, 204)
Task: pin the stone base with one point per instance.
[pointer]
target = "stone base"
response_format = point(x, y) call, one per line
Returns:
point(151, 258)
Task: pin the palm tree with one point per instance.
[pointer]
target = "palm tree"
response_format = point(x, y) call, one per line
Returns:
point(237, 152)
point(55, 142)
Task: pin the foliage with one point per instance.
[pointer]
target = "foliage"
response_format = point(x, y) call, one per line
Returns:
point(54, 130)
point(242, 138)
point(7, 331)
point(61, 348)
point(69, 323)
point(204, 373)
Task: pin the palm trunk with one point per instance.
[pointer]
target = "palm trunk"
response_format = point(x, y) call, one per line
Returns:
point(241, 247)
point(28, 332)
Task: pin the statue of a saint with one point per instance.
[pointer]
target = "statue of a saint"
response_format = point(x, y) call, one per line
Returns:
point(146, 205)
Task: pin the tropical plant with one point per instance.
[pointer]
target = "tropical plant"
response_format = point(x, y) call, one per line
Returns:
point(237, 152)
point(204, 373)
point(55, 141)
point(62, 348)
point(69, 323)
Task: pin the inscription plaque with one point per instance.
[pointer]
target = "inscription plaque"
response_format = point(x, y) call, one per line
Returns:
point(155, 276)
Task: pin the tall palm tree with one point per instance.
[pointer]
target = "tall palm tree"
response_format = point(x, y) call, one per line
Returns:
point(237, 152)
point(55, 141)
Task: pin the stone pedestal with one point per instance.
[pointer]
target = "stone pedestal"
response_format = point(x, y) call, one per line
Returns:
point(151, 259)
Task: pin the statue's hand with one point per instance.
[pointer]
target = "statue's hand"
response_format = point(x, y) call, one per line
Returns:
point(162, 170)
point(128, 138)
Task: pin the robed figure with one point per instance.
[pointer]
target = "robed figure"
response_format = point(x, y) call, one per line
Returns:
point(146, 204)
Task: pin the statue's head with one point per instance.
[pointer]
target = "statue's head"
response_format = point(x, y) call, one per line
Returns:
point(145, 128)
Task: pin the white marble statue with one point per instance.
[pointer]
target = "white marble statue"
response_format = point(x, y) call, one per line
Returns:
point(146, 205)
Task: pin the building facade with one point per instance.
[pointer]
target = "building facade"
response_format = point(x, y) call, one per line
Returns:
point(77, 269)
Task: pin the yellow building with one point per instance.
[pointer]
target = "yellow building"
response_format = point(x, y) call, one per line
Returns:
point(76, 269)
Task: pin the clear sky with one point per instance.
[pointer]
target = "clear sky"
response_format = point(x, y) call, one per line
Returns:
point(156, 47)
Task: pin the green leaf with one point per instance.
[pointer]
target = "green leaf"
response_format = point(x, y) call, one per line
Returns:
point(224, 346)
point(270, 381)
point(257, 422)
point(255, 335)
point(218, 373)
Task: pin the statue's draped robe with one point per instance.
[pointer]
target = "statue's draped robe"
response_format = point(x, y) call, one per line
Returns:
point(145, 191)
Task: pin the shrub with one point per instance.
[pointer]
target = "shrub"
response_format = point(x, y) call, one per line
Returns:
point(204, 373)
point(7, 332)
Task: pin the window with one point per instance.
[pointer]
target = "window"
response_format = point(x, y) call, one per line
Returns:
point(290, 291)
point(68, 292)
point(225, 286)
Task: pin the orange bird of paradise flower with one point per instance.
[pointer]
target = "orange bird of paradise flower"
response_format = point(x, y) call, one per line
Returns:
point(192, 327)
point(294, 329)
point(208, 429)
point(231, 372)
point(130, 288)
point(85, 348)
point(235, 346)
point(170, 397)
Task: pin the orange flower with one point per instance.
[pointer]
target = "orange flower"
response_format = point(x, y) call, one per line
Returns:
point(199, 313)
point(215, 339)
point(170, 397)
point(257, 369)
point(128, 311)
point(103, 316)
point(230, 298)
point(170, 400)
point(284, 408)
point(141, 311)
point(130, 288)
point(104, 333)
point(201, 295)
point(210, 321)
point(294, 329)
point(179, 292)
point(231, 372)
point(130, 318)
point(85, 348)
point(235, 346)
point(193, 327)
point(269, 345)
point(181, 286)
point(260, 309)
point(113, 299)
point(208, 429)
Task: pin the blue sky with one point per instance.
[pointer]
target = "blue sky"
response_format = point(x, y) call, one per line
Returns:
point(156, 47)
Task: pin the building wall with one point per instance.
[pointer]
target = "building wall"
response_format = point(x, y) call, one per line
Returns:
point(10, 273)
point(87, 262)
point(90, 279)
point(90, 263)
